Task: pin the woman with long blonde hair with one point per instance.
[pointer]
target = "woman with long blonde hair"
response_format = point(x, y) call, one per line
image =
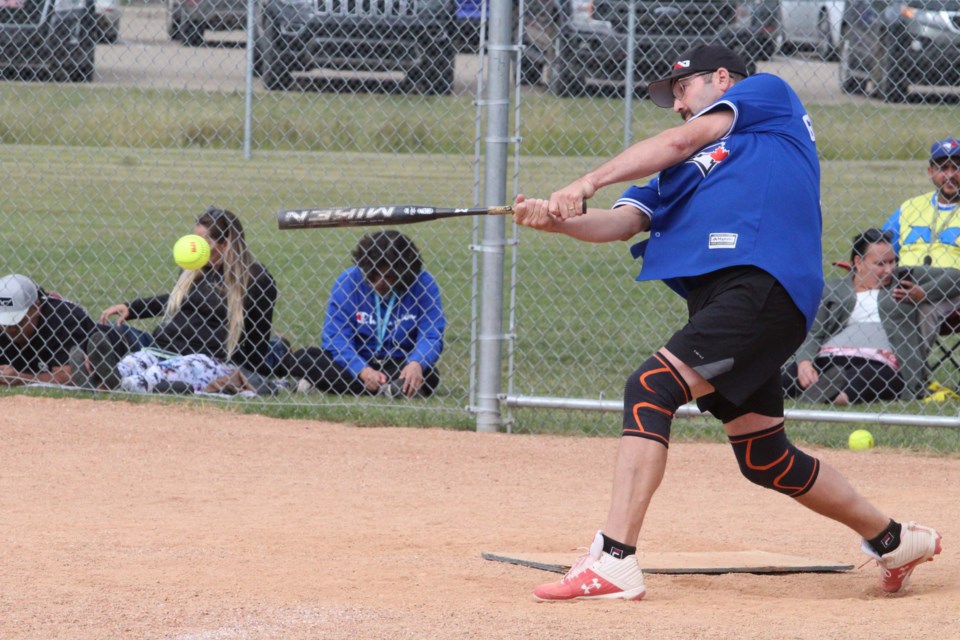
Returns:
point(224, 310)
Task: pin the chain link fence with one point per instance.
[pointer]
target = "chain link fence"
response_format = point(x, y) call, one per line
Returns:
point(123, 123)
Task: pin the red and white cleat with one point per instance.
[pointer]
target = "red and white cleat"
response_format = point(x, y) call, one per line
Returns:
point(918, 544)
point(596, 576)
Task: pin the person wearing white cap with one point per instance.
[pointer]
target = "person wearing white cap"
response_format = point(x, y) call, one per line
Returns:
point(39, 331)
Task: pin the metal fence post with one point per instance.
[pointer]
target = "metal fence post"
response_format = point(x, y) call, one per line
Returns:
point(628, 84)
point(248, 84)
point(492, 249)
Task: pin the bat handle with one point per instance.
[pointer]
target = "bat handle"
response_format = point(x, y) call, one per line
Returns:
point(507, 210)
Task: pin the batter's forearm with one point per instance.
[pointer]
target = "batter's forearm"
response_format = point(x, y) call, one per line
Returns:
point(643, 159)
point(665, 149)
point(605, 225)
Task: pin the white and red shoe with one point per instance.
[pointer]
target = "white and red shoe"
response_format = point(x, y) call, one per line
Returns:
point(918, 544)
point(596, 576)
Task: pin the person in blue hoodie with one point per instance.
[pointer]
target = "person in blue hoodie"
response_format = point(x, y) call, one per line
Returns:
point(384, 324)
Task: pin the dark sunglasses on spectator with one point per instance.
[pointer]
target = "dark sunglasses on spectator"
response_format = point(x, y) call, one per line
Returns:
point(873, 236)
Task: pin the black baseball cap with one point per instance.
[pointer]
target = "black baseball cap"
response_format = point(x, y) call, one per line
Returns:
point(697, 59)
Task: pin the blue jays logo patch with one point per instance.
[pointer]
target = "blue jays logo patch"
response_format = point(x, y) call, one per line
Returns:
point(709, 157)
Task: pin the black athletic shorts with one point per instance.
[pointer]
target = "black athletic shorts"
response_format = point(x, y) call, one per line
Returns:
point(743, 326)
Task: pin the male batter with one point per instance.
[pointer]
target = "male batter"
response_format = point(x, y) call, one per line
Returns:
point(734, 222)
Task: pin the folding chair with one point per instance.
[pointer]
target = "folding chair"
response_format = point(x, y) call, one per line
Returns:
point(946, 343)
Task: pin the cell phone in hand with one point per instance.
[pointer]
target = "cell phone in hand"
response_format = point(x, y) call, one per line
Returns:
point(904, 273)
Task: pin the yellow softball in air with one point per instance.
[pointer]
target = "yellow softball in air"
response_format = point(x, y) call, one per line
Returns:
point(860, 439)
point(191, 252)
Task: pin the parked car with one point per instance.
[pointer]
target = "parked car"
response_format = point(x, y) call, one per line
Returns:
point(189, 20)
point(590, 39)
point(108, 21)
point(48, 38)
point(814, 24)
point(467, 25)
point(889, 45)
point(541, 23)
point(409, 36)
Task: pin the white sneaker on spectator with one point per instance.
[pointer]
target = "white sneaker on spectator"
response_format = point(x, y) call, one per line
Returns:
point(393, 389)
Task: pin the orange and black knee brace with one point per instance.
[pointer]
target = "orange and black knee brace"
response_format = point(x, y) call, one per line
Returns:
point(769, 459)
point(652, 395)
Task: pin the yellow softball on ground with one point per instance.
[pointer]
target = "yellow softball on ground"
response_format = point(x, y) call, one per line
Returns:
point(191, 252)
point(860, 439)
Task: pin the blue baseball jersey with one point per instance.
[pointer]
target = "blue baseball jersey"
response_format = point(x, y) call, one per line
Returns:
point(750, 198)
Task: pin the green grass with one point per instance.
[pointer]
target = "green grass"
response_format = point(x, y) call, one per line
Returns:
point(100, 182)
point(100, 117)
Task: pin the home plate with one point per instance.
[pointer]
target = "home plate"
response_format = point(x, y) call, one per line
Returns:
point(702, 562)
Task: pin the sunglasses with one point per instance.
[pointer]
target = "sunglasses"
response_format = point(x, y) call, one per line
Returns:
point(211, 218)
point(680, 86)
point(875, 235)
point(212, 213)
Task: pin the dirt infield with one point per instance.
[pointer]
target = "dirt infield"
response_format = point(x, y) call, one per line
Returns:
point(149, 521)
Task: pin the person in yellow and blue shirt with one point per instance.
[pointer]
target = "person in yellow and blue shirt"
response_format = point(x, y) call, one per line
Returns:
point(926, 229)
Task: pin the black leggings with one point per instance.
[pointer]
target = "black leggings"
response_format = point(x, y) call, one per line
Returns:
point(316, 366)
point(863, 380)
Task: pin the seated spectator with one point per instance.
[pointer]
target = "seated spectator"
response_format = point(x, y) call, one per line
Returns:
point(223, 311)
point(926, 228)
point(865, 343)
point(383, 330)
point(39, 332)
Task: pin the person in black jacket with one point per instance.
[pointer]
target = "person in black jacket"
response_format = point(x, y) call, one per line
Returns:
point(37, 332)
point(224, 310)
point(866, 342)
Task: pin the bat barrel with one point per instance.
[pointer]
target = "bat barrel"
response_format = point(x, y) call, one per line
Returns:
point(375, 215)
